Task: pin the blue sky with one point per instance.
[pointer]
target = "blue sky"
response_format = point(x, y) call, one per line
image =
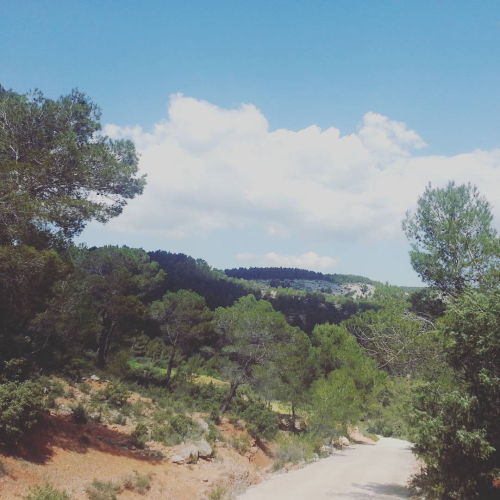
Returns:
point(432, 67)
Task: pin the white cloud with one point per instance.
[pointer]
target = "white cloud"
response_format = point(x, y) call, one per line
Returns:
point(211, 168)
point(309, 260)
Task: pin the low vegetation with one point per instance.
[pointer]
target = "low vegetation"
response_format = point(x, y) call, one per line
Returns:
point(194, 340)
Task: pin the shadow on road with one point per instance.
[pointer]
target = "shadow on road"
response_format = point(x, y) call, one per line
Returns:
point(377, 490)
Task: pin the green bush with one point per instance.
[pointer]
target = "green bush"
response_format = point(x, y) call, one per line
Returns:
point(115, 394)
point(4, 470)
point(119, 419)
point(138, 482)
point(20, 406)
point(240, 443)
point(77, 367)
point(118, 366)
point(294, 449)
point(217, 493)
point(261, 421)
point(85, 387)
point(176, 430)
point(80, 414)
point(46, 492)
point(102, 490)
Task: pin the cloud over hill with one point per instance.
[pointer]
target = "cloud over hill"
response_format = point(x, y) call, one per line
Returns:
point(211, 168)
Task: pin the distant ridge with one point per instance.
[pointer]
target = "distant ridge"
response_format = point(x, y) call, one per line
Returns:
point(289, 273)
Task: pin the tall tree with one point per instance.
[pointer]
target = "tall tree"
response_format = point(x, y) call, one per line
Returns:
point(453, 242)
point(455, 422)
point(115, 282)
point(56, 171)
point(184, 319)
point(293, 370)
point(250, 332)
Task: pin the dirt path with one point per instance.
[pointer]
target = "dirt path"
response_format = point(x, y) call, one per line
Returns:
point(360, 472)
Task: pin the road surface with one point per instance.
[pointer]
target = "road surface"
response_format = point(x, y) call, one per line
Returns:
point(361, 472)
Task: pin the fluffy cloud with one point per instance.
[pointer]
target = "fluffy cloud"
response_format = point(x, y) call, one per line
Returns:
point(211, 168)
point(309, 260)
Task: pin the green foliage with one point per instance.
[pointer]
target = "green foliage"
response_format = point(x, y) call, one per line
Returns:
point(118, 365)
point(102, 490)
point(20, 406)
point(80, 414)
point(56, 171)
point(240, 443)
point(336, 403)
point(453, 242)
point(389, 416)
point(456, 424)
point(294, 449)
point(4, 470)
point(114, 394)
point(251, 332)
point(395, 337)
point(75, 368)
point(292, 372)
point(46, 492)
point(137, 482)
point(184, 319)
point(27, 285)
point(218, 492)
point(261, 421)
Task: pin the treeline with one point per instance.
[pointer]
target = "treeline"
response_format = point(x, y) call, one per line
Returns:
point(287, 273)
point(302, 309)
point(153, 320)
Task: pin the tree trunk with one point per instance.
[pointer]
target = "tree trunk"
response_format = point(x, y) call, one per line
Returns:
point(104, 340)
point(169, 367)
point(230, 396)
point(293, 418)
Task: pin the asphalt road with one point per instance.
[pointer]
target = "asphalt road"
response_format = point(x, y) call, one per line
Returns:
point(361, 472)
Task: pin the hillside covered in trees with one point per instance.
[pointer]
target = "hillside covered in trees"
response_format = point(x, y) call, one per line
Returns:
point(293, 368)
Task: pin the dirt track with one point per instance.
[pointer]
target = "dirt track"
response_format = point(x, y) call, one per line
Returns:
point(360, 472)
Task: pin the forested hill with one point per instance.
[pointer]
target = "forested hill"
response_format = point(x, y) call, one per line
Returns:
point(301, 308)
point(284, 273)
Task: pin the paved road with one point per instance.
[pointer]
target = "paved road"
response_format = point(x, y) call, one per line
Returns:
point(361, 472)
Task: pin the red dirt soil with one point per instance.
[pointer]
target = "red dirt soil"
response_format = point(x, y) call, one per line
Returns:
point(71, 456)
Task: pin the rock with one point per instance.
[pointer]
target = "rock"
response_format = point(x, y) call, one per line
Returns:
point(191, 452)
point(95, 378)
point(326, 449)
point(184, 453)
point(205, 479)
point(204, 449)
point(342, 442)
point(204, 426)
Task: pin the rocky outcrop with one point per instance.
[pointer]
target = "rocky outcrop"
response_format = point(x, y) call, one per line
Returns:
point(188, 453)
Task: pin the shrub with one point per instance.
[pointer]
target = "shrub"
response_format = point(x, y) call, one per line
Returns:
point(217, 493)
point(240, 443)
point(293, 449)
point(46, 492)
point(118, 366)
point(115, 394)
point(76, 368)
point(20, 406)
point(15, 369)
point(80, 414)
point(85, 387)
point(261, 421)
point(119, 419)
point(140, 435)
point(4, 470)
point(138, 482)
point(214, 434)
point(102, 490)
